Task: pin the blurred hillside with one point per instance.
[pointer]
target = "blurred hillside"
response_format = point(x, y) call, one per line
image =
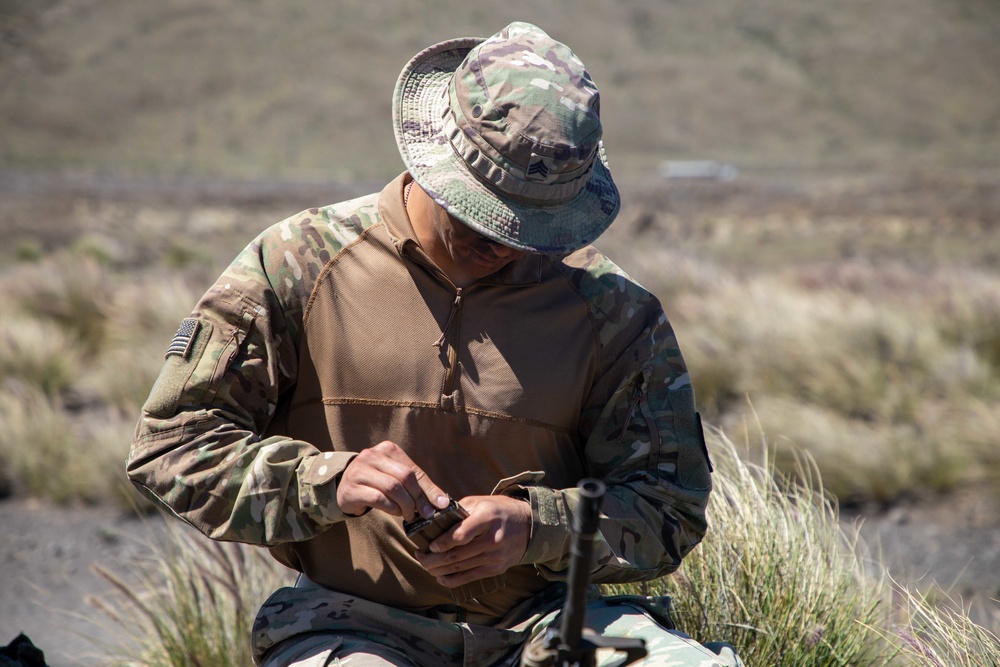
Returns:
point(841, 297)
point(301, 89)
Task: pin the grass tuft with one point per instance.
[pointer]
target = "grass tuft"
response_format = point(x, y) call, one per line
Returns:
point(942, 635)
point(69, 289)
point(50, 455)
point(777, 576)
point(190, 602)
point(38, 352)
point(781, 579)
point(142, 315)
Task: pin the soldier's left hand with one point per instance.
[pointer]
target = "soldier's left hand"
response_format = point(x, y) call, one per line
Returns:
point(491, 540)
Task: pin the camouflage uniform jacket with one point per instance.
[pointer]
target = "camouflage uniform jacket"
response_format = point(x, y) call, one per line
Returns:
point(333, 331)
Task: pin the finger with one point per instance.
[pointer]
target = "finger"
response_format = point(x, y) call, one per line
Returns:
point(371, 488)
point(372, 480)
point(454, 561)
point(425, 494)
point(431, 491)
point(397, 499)
point(386, 469)
point(464, 533)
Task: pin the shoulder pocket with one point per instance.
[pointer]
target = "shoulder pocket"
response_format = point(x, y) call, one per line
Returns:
point(183, 355)
point(228, 352)
point(693, 465)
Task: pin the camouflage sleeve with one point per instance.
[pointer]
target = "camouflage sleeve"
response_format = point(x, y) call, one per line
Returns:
point(198, 447)
point(643, 438)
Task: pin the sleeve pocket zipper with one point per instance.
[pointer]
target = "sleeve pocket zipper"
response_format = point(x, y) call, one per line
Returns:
point(639, 402)
point(229, 354)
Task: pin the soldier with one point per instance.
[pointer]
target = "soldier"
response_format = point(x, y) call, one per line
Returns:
point(453, 336)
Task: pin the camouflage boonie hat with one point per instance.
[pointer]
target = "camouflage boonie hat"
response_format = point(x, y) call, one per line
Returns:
point(505, 134)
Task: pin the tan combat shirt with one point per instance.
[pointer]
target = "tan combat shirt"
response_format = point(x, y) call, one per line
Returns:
point(333, 331)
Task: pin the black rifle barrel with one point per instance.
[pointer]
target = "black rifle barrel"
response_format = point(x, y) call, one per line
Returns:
point(585, 525)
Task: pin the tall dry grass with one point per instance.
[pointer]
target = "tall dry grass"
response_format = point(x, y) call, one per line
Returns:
point(887, 373)
point(888, 376)
point(144, 312)
point(932, 634)
point(190, 601)
point(64, 455)
point(781, 578)
point(778, 577)
point(39, 353)
point(81, 343)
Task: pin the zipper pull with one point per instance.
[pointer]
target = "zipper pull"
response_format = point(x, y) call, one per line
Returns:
point(636, 397)
point(451, 318)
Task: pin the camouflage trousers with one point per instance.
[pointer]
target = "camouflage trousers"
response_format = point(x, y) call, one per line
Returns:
point(311, 626)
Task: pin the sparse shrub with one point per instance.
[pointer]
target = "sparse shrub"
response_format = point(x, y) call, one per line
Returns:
point(102, 249)
point(49, 454)
point(142, 316)
point(191, 602)
point(70, 290)
point(777, 576)
point(182, 255)
point(38, 352)
point(29, 250)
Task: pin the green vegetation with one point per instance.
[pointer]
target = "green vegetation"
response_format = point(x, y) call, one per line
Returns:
point(191, 601)
point(839, 302)
point(879, 369)
point(778, 578)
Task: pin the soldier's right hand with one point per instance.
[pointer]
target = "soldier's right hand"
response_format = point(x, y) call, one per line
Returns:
point(384, 478)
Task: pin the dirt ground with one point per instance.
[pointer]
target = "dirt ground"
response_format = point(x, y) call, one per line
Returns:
point(951, 540)
point(46, 553)
point(45, 577)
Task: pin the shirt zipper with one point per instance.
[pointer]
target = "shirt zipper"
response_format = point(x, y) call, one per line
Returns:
point(452, 331)
point(455, 305)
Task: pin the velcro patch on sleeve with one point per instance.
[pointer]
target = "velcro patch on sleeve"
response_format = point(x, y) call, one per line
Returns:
point(177, 370)
point(180, 346)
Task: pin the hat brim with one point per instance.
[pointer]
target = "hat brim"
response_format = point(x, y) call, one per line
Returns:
point(419, 105)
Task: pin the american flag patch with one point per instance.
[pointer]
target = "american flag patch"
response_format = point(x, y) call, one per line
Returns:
point(180, 346)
